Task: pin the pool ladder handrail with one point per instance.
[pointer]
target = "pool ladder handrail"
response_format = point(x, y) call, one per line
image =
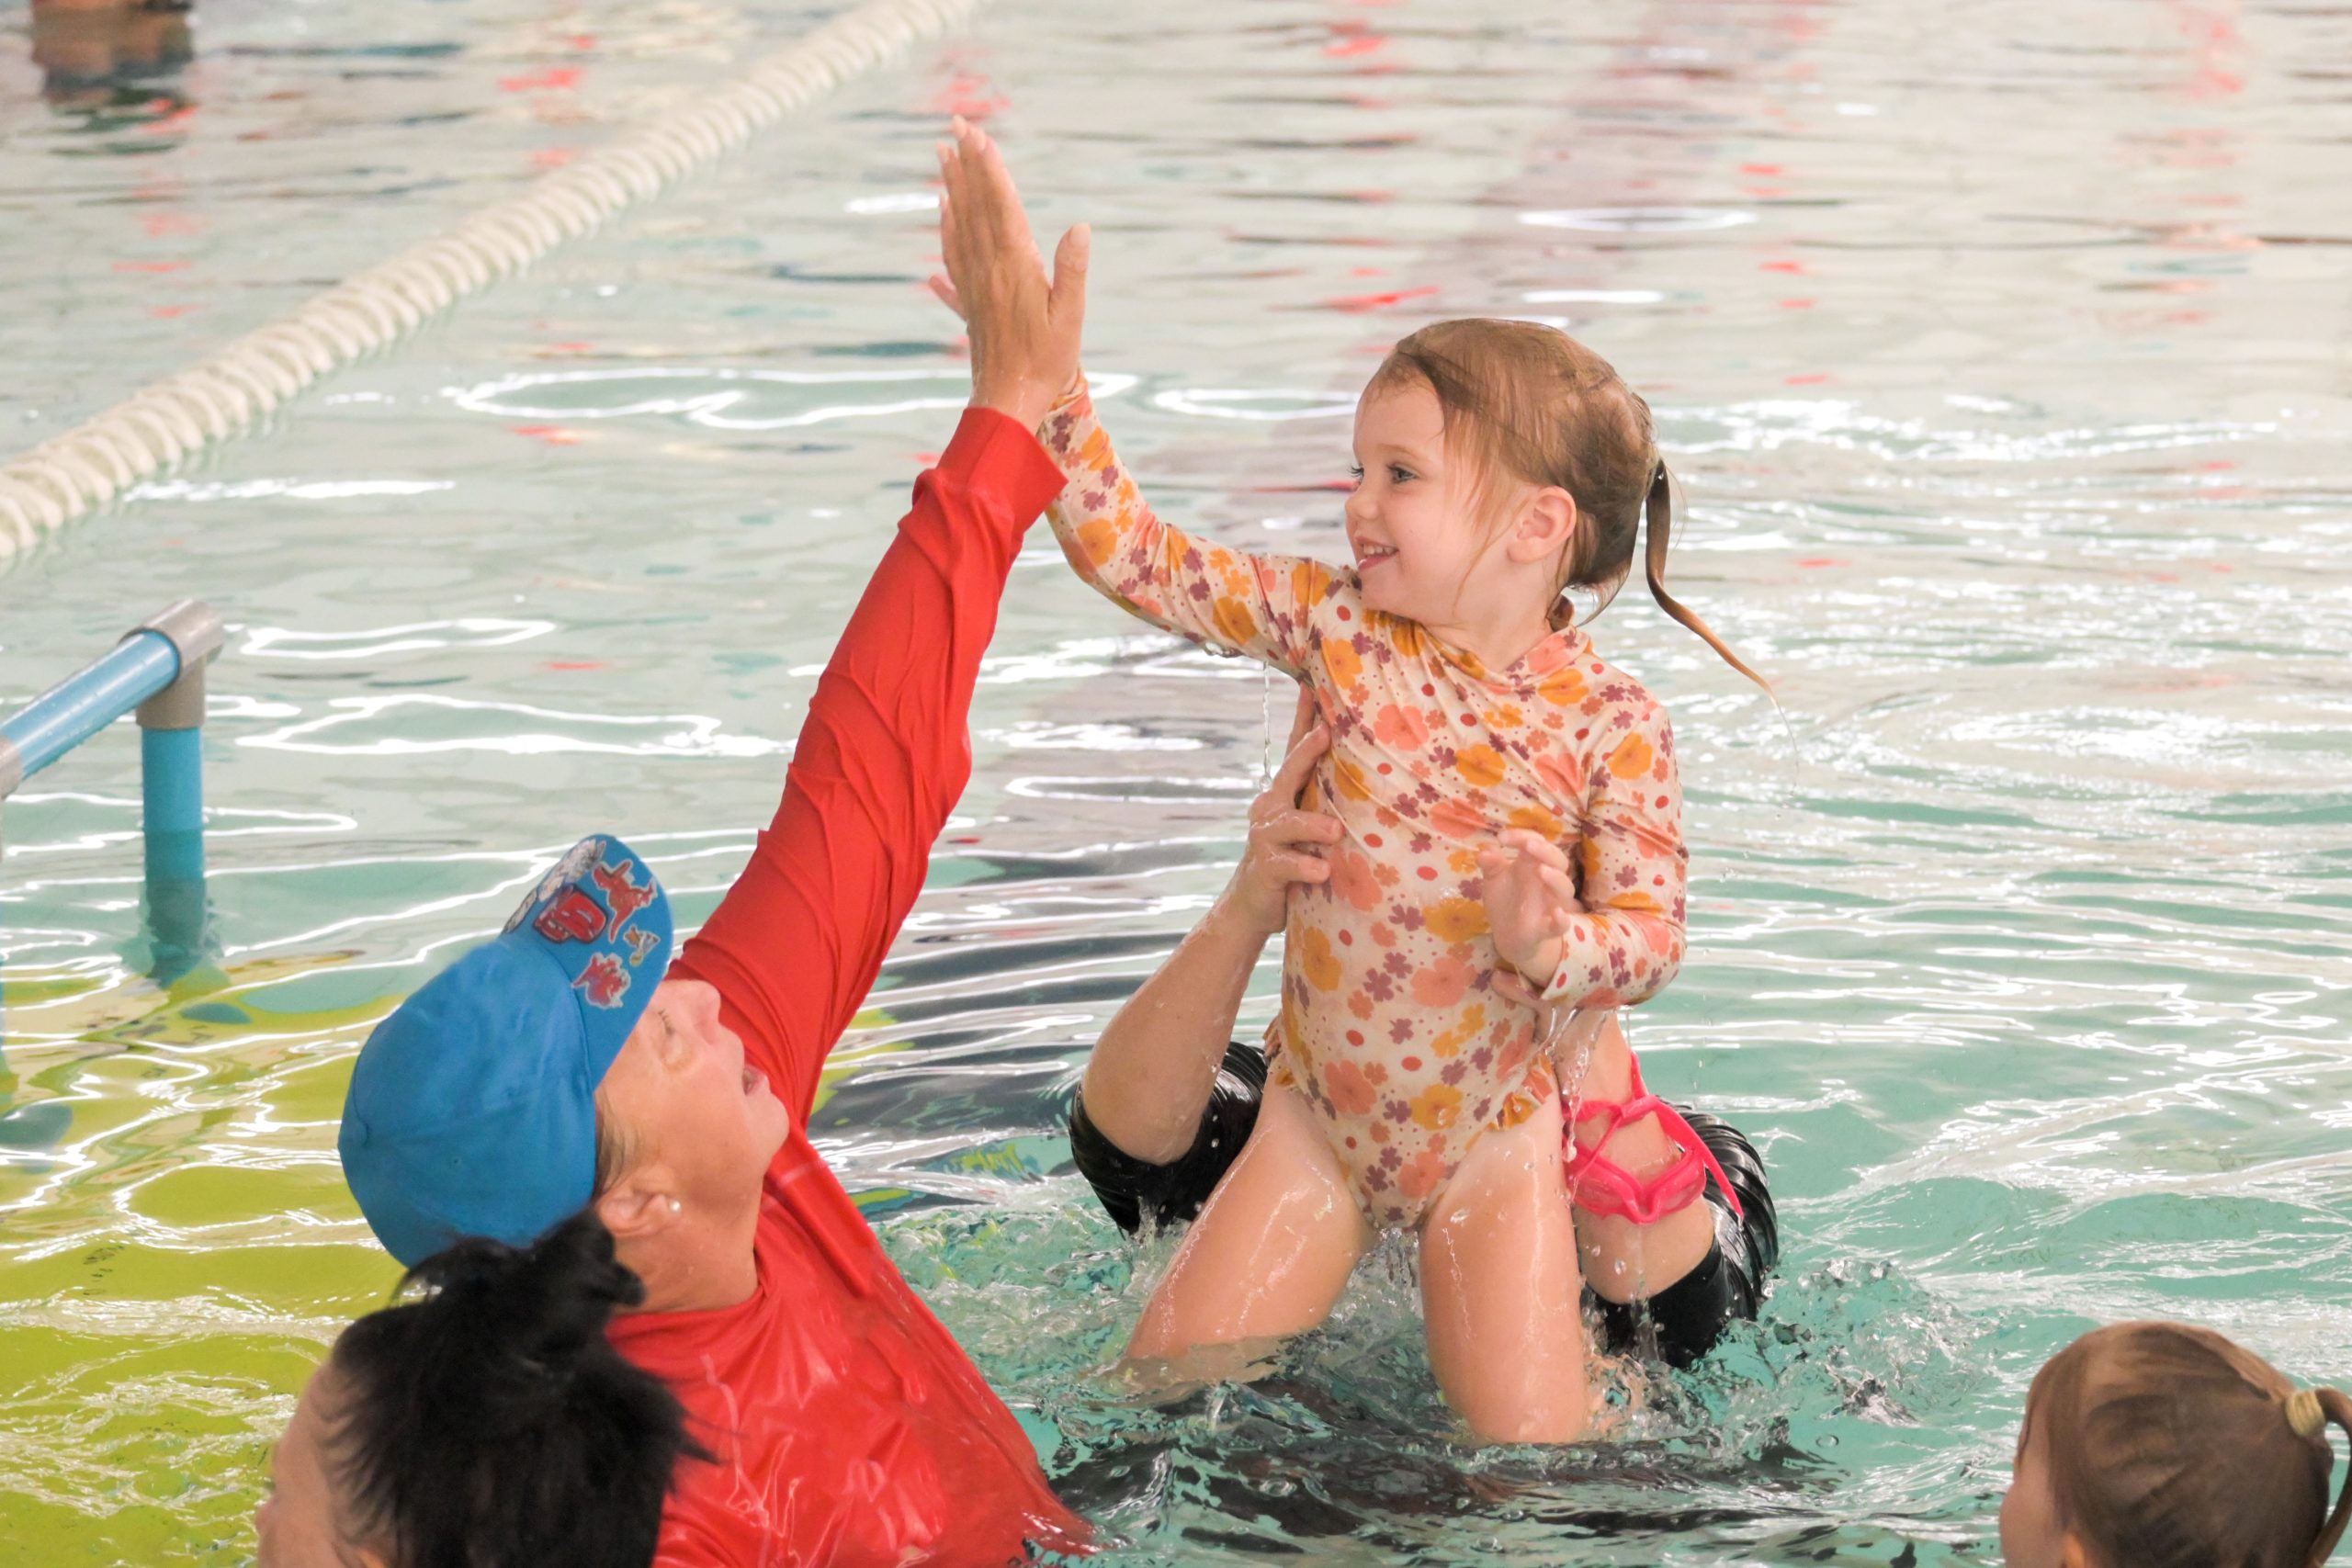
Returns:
point(157, 673)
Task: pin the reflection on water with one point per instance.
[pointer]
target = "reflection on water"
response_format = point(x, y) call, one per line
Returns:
point(749, 400)
point(1639, 220)
point(94, 56)
point(1993, 360)
point(388, 727)
point(745, 400)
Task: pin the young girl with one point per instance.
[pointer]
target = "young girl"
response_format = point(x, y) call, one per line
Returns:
point(1510, 801)
point(2158, 1445)
point(1512, 850)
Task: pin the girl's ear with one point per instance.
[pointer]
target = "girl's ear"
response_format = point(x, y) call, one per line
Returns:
point(1545, 527)
point(2073, 1553)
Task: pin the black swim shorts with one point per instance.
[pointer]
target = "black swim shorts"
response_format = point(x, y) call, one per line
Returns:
point(1679, 1325)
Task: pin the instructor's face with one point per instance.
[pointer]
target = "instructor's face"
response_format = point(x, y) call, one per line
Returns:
point(683, 1090)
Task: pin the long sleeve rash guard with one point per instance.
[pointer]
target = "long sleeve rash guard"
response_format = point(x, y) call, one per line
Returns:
point(1389, 1026)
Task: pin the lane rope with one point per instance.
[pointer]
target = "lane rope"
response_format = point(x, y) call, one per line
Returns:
point(74, 473)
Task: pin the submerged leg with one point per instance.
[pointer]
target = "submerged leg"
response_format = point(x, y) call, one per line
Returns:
point(1266, 1260)
point(1501, 1290)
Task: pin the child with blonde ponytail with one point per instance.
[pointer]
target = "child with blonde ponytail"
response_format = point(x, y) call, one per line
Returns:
point(2159, 1445)
point(1509, 872)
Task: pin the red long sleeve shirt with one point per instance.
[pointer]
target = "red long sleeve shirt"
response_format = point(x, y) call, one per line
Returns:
point(850, 1429)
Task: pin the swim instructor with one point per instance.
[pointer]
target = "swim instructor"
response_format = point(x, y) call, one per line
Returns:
point(573, 1062)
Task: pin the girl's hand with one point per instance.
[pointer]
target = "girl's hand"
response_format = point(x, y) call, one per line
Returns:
point(1530, 898)
point(1287, 844)
point(1024, 330)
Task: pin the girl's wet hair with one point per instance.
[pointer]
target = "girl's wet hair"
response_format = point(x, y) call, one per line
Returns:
point(488, 1421)
point(2169, 1447)
point(1529, 401)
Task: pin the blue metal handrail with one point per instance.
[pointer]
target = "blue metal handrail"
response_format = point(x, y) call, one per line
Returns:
point(157, 672)
point(70, 713)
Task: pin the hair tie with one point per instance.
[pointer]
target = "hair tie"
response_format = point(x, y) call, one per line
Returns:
point(2304, 1414)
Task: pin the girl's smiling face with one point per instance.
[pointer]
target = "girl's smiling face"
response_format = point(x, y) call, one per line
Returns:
point(1411, 518)
point(1473, 557)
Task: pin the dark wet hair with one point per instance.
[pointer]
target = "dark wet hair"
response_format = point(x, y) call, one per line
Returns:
point(2169, 1447)
point(1529, 399)
point(487, 1422)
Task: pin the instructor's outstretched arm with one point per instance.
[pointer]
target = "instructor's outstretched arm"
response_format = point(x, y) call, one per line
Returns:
point(885, 751)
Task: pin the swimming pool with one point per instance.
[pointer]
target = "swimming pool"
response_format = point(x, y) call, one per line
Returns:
point(1999, 349)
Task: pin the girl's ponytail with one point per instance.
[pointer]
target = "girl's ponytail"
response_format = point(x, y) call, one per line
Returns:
point(2310, 1410)
point(2170, 1447)
point(1661, 526)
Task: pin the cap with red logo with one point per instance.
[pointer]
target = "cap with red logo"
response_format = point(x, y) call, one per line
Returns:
point(473, 1109)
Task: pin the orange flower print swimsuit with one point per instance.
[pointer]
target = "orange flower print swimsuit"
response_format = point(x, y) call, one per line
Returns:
point(1389, 1027)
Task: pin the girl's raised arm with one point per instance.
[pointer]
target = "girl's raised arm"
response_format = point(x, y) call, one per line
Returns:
point(1252, 604)
point(1023, 329)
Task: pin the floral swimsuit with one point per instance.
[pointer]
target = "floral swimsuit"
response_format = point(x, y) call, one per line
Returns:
point(1389, 1027)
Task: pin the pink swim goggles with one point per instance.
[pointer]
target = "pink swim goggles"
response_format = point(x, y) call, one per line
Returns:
point(1606, 1188)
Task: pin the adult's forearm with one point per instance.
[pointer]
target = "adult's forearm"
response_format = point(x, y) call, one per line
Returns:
point(882, 756)
point(1150, 1075)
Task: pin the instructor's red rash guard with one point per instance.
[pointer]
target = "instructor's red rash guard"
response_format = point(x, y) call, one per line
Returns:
point(851, 1430)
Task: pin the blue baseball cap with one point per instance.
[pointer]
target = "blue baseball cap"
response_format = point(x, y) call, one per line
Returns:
point(473, 1109)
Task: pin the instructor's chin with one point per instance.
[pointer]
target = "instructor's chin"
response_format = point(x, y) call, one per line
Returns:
point(772, 1122)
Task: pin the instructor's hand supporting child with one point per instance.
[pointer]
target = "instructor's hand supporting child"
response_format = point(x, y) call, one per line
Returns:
point(1024, 328)
point(1152, 1073)
point(1286, 842)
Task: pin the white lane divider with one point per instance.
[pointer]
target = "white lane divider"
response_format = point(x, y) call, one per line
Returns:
point(82, 469)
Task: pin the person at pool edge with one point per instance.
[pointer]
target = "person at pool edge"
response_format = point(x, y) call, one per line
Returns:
point(572, 1063)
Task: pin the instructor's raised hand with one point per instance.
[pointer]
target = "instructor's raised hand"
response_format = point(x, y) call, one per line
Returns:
point(1023, 327)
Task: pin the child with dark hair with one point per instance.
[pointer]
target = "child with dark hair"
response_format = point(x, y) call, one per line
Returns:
point(2158, 1445)
point(483, 1422)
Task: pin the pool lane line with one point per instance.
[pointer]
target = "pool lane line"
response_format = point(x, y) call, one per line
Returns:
point(72, 474)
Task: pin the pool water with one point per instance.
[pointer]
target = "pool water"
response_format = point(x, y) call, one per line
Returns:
point(1999, 348)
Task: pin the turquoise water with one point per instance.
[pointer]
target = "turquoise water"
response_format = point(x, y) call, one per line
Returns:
point(1999, 348)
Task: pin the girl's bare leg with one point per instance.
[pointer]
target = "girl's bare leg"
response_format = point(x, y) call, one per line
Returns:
point(1623, 1262)
point(1267, 1258)
point(1501, 1290)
